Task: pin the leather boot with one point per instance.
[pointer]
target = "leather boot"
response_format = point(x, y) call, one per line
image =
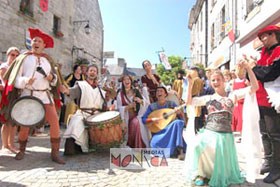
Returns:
point(266, 166)
point(267, 146)
point(22, 147)
point(274, 173)
point(55, 142)
point(273, 176)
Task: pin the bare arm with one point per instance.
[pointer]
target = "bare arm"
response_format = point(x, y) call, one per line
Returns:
point(253, 80)
point(189, 90)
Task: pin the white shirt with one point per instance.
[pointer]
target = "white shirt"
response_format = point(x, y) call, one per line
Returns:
point(27, 71)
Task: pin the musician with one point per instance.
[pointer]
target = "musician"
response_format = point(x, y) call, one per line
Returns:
point(70, 80)
point(8, 130)
point(171, 136)
point(33, 74)
point(178, 83)
point(131, 105)
point(197, 90)
point(90, 100)
point(266, 70)
point(211, 153)
point(150, 80)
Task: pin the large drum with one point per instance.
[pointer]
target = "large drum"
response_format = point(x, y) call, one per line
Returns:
point(105, 130)
point(28, 111)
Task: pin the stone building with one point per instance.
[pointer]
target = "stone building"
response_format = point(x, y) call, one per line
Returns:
point(64, 20)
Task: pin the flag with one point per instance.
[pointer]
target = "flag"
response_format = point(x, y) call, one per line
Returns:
point(231, 35)
point(229, 30)
point(44, 5)
point(27, 40)
point(164, 60)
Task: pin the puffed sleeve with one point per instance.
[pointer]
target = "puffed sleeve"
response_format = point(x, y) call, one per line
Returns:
point(267, 73)
point(200, 101)
point(146, 114)
point(239, 94)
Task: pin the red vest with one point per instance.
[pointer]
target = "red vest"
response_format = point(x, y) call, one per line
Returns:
point(266, 59)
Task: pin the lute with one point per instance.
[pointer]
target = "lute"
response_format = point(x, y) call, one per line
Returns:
point(160, 118)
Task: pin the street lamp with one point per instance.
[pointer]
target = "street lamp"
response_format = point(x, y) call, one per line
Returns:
point(79, 23)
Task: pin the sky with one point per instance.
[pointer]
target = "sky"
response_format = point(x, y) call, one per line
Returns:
point(137, 29)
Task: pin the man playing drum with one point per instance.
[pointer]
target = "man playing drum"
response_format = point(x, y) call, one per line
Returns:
point(90, 99)
point(33, 74)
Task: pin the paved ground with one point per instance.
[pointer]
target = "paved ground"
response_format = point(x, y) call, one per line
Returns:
point(92, 169)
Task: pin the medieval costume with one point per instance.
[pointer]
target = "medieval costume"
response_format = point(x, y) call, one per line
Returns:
point(212, 153)
point(33, 73)
point(172, 135)
point(136, 137)
point(90, 99)
point(269, 118)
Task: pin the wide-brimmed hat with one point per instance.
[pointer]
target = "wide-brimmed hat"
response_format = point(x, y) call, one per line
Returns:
point(267, 29)
point(48, 40)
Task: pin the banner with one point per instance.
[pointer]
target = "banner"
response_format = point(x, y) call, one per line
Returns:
point(164, 60)
point(44, 5)
point(27, 40)
point(229, 30)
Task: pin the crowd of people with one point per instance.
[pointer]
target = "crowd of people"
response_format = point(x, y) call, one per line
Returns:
point(208, 103)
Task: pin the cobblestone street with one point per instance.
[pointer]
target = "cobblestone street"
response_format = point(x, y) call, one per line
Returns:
point(92, 169)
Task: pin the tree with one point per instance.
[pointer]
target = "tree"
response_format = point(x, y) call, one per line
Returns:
point(167, 77)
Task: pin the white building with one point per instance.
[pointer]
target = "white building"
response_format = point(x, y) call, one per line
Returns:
point(223, 30)
point(252, 18)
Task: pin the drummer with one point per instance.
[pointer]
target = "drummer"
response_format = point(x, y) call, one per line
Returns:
point(171, 136)
point(33, 74)
point(90, 100)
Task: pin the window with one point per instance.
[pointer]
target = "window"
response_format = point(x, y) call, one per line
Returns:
point(251, 4)
point(223, 23)
point(57, 26)
point(213, 2)
point(4, 57)
point(201, 54)
point(26, 7)
point(212, 36)
point(201, 21)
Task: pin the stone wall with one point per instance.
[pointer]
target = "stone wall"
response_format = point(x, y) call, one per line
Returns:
point(14, 24)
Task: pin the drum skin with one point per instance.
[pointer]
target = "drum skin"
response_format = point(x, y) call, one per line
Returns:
point(105, 130)
point(28, 111)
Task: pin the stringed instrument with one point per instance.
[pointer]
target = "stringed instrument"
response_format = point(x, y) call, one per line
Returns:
point(163, 118)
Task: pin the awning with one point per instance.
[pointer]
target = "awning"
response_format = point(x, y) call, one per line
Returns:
point(217, 63)
point(257, 44)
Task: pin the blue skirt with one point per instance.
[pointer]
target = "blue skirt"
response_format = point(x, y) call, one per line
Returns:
point(170, 137)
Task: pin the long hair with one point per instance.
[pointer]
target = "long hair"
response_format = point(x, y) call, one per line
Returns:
point(135, 91)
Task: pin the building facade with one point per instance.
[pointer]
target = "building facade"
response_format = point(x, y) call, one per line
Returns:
point(230, 29)
point(64, 20)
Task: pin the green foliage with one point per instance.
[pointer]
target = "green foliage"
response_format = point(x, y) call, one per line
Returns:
point(200, 66)
point(168, 76)
point(82, 61)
